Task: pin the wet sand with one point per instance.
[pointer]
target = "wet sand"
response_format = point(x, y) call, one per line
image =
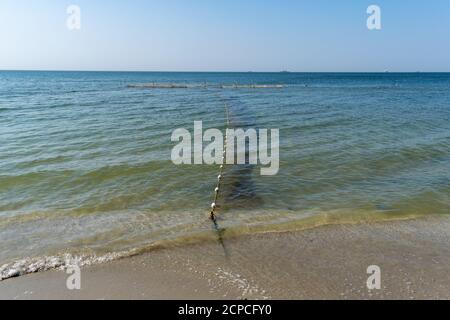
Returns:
point(328, 262)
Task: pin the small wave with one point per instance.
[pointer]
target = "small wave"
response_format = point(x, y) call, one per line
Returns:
point(40, 264)
point(65, 260)
point(9, 181)
point(43, 161)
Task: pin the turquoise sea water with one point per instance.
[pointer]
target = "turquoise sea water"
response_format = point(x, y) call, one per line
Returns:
point(85, 160)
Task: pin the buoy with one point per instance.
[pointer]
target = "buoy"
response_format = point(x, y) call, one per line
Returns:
point(217, 190)
point(220, 177)
point(213, 205)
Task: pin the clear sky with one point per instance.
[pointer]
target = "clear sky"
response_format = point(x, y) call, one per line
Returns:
point(225, 35)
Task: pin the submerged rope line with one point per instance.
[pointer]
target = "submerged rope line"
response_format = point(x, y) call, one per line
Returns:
point(213, 215)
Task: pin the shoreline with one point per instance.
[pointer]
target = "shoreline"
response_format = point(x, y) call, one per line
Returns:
point(327, 262)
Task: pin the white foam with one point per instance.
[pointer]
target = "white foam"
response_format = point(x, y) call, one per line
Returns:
point(248, 288)
point(32, 265)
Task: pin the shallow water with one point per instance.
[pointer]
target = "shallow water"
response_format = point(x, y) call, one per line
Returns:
point(85, 159)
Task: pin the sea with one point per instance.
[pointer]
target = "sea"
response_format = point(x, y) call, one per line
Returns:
point(86, 174)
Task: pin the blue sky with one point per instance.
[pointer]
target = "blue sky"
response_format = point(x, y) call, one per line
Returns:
point(225, 35)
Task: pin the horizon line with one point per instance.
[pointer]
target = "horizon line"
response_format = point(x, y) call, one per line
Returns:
point(209, 71)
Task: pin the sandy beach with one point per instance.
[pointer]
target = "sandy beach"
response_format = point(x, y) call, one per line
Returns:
point(328, 262)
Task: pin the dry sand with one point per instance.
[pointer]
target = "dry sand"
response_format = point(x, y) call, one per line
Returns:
point(328, 262)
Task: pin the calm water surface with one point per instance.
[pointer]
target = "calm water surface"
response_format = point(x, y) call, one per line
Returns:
point(85, 160)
